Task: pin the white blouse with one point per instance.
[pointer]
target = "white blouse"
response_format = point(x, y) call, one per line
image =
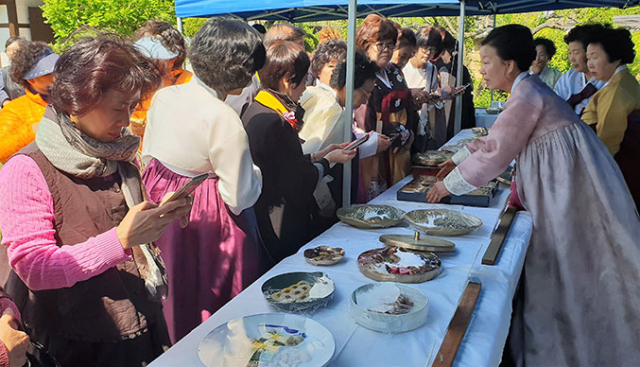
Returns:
point(191, 131)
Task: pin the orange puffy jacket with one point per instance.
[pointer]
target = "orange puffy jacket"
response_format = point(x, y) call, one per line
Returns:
point(16, 123)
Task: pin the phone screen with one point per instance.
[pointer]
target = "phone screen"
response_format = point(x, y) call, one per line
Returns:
point(358, 142)
point(188, 187)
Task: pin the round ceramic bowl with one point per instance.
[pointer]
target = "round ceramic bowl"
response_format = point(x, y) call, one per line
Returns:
point(299, 291)
point(371, 216)
point(443, 222)
point(323, 255)
point(372, 306)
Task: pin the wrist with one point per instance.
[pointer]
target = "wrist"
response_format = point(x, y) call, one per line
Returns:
point(122, 238)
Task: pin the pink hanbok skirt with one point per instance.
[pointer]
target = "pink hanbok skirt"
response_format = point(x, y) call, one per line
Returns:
point(211, 260)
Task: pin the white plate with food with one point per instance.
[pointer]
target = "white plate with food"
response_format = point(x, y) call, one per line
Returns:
point(323, 255)
point(268, 340)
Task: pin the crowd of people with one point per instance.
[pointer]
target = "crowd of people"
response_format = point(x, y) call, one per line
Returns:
point(106, 270)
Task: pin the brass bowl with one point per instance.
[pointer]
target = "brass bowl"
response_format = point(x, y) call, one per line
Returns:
point(371, 216)
point(443, 222)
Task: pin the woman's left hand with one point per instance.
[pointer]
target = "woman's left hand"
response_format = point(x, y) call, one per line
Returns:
point(454, 92)
point(322, 153)
point(437, 192)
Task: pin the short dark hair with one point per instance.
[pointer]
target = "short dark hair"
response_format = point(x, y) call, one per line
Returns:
point(285, 59)
point(428, 36)
point(449, 42)
point(548, 45)
point(407, 38)
point(260, 28)
point(93, 66)
point(375, 28)
point(333, 49)
point(168, 35)
point(365, 69)
point(580, 34)
point(513, 42)
point(25, 58)
point(284, 32)
point(225, 53)
point(11, 40)
point(616, 42)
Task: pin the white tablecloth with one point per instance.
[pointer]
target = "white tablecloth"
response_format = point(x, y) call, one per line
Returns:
point(484, 119)
point(357, 346)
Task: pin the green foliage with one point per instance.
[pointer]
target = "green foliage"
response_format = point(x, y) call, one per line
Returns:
point(117, 16)
point(192, 25)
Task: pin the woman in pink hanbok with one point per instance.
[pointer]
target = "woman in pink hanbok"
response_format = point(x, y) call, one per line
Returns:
point(190, 130)
point(579, 303)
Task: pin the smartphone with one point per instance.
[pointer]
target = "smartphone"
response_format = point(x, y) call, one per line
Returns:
point(358, 142)
point(466, 86)
point(187, 188)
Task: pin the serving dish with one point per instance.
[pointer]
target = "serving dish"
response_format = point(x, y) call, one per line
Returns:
point(370, 216)
point(323, 255)
point(268, 340)
point(443, 222)
point(432, 158)
point(298, 291)
point(418, 242)
point(393, 264)
point(389, 307)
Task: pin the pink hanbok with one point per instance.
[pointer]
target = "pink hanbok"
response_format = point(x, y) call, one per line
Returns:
point(579, 303)
point(190, 131)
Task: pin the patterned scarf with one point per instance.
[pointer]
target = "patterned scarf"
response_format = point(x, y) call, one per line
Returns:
point(73, 152)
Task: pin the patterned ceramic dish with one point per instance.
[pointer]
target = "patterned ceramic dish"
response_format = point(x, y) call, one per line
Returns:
point(443, 222)
point(299, 291)
point(393, 264)
point(371, 216)
point(323, 255)
point(431, 158)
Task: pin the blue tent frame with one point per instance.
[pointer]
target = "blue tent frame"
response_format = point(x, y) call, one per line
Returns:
point(318, 10)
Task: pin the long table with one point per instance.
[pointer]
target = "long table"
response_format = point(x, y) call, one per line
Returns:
point(357, 346)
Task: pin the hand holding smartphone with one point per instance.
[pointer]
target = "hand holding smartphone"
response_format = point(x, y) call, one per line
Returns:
point(358, 142)
point(187, 188)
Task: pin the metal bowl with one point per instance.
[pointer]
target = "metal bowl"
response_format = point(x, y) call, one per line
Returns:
point(371, 216)
point(379, 265)
point(431, 158)
point(443, 222)
point(322, 288)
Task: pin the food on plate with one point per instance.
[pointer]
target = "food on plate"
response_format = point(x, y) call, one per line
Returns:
point(396, 264)
point(431, 158)
point(298, 292)
point(271, 348)
point(401, 306)
point(323, 255)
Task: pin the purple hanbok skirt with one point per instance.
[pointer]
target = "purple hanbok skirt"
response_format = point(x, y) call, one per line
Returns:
point(211, 260)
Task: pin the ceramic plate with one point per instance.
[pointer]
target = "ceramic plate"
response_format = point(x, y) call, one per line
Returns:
point(443, 222)
point(268, 340)
point(299, 291)
point(392, 264)
point(371, 216)
point(323, 255)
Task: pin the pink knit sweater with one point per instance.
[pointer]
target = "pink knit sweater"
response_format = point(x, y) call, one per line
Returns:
point(5, 305)
point(26, 220)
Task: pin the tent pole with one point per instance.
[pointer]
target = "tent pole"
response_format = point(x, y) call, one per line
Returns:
point(458, 121)
point(180, 27)
point(348, 126)
point(494, 27)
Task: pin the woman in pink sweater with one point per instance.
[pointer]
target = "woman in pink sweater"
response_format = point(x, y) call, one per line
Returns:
point(73, 213)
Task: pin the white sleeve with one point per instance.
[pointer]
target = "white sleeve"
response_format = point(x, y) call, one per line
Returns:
point(240, 180)
point(370, 147)
point(461, 155)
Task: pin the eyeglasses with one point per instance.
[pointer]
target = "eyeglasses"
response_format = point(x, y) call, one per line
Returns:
point(385, 45)
point(431, 50)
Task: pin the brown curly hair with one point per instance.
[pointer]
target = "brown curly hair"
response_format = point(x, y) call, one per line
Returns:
point(168, 35)
point(93, 66)
point(374, 29)
point(25, 58)
point(328, 33)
